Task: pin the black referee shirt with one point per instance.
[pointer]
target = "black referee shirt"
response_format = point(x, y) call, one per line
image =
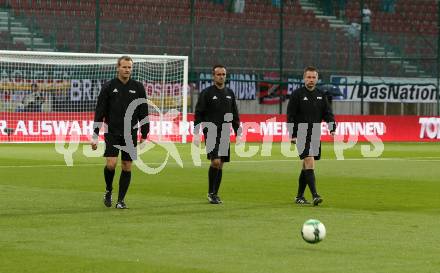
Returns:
point(213, 104)
point(309, 107)
point(113, 101)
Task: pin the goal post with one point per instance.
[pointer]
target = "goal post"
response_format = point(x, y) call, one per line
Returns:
point(47, 95)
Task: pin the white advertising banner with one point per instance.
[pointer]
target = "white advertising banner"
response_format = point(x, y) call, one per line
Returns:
point(244, 86)
point(387, 89)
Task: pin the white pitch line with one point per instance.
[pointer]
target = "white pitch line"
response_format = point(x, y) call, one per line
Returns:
point(415, 159)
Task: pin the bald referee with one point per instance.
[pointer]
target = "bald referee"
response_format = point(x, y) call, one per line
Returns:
point(217, 109)
point(113, 102)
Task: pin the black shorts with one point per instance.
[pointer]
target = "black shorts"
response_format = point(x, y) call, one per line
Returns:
point(111, 151)
point(219, 152)
point(309, 151)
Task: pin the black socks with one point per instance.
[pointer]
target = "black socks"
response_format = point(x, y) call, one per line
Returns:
point(309, 177)
point(124, 182)
point(215, 178)
point(218, 180)
point(108, 176)
point(212, 176)
point(302, 184)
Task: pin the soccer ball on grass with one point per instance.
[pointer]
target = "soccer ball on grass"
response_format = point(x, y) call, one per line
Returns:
point(313, 231)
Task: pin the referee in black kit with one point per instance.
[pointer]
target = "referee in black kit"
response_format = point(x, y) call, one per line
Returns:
point(113, 103)
point(217, 109)
point(307, 107)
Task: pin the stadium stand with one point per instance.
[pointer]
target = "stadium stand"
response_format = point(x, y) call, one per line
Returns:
point(246, 41)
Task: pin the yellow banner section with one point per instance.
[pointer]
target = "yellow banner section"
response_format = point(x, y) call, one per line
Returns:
point(169, 102)
point(58, 85)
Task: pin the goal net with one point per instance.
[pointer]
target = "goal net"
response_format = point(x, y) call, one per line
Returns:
point(46, 96)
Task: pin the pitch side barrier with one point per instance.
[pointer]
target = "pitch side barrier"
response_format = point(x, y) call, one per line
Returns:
point(50, 127)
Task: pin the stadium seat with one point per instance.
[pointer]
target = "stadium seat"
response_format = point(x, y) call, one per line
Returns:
point(164, 26)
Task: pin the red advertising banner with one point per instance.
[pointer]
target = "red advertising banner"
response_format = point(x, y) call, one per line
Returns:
point(45, 127)
point(362, 128)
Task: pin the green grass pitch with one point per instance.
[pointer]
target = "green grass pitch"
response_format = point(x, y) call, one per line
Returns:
point(382, 214)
